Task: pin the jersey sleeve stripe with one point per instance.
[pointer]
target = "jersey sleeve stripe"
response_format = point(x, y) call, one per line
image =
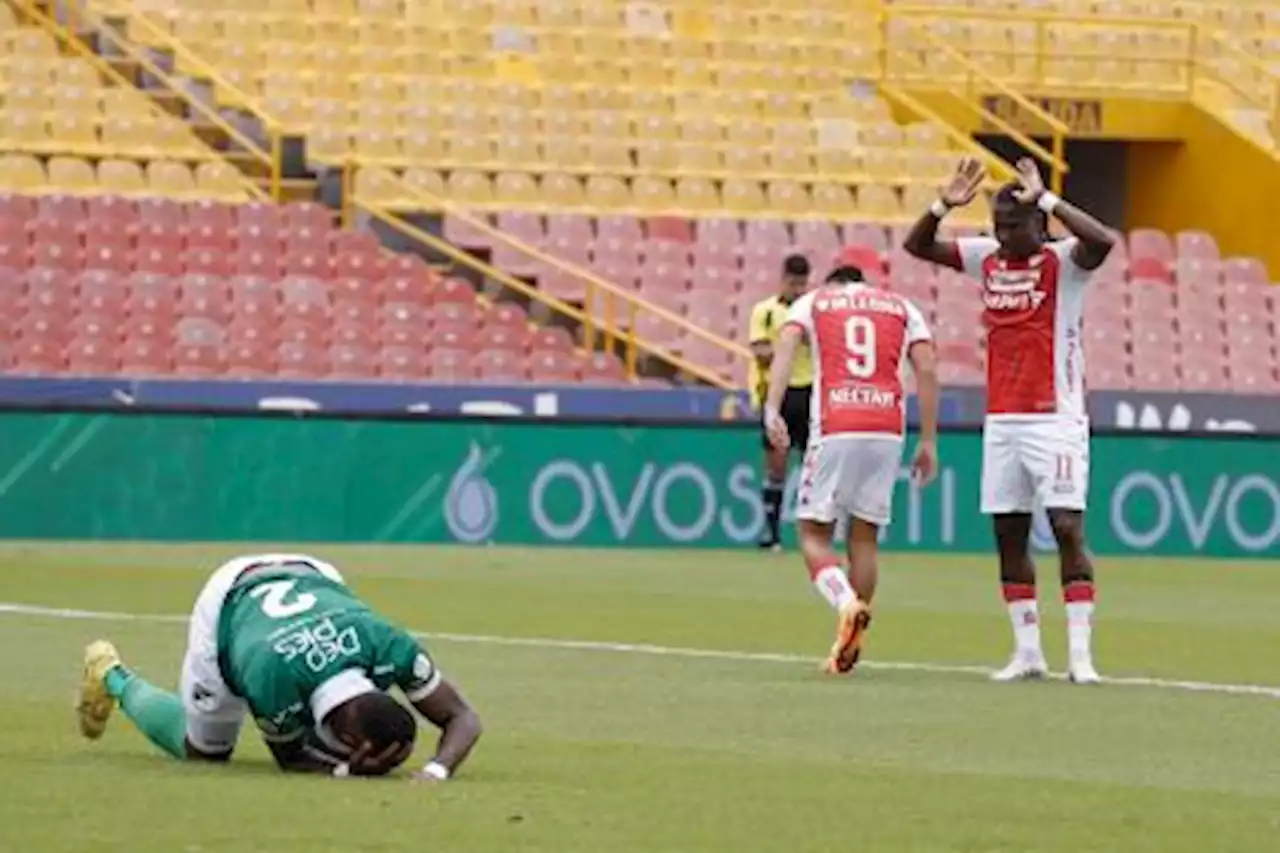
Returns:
point(417, 694)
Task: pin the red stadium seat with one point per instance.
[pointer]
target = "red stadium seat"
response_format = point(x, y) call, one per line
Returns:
point(451, 365)
point(198, 360)
point(1151, 269)
point(269, 217)
point(403, 362)
point(54, 327)
point(1196, 245)
point(246, 359)
point(352, 361)
point(152, 295)
point(404, 324)
point(500, 365)
point(553, 366)
point(256, 237)
point(161, 210)
point(212, 214)
point(1244, 270)
point(552, 338)
point(37, 356)
point(302, 361)
point(506, 314)
point(1150, 243)
point(169, 237)
point(602, 368)
point(158, 261)
point(60, 207)
point(308, 215)
point(505, 338)
point(370, 265)
point(304, 300)
point(50, 290)
point(199, 332)
point(254, 262)
point(204, 296)
point(93, 356)
point(145, 357)
point(96, 327)
point(101, 293)
point(149, 327)
point(462, 337)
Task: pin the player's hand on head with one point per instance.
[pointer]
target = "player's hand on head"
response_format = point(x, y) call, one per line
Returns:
point(924, 466)
point(1030, 184)
point(964, 184)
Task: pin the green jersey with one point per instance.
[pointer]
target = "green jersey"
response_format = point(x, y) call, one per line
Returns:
point(294, 644)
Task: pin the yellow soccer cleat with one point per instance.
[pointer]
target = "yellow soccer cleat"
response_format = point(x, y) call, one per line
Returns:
point(850, 628)
point(93, 703)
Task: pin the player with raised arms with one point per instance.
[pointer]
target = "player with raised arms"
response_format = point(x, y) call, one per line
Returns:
point(860, 337)
point(1035, 441)
point(282, 637)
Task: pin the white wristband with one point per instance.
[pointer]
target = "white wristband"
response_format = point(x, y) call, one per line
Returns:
point(1047, 201)
point(342, 771)
point(939, 208)
point(436, 770)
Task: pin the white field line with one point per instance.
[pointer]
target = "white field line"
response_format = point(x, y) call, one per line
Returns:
point(15, 609)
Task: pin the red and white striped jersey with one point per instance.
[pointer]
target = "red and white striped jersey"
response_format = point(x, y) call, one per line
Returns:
point(1034, 315)
point(859, 337)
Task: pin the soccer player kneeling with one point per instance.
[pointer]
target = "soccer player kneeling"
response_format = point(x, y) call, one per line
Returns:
point(860, 337)
point(282, 637)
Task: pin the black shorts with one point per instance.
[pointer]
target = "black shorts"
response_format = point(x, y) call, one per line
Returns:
point(795, 412)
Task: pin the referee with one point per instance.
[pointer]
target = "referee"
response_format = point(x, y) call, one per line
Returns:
point(767, 318)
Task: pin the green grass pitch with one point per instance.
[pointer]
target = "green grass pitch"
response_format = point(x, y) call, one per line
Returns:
point(610, 749)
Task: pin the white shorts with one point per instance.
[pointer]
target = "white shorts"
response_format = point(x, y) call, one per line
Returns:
point(1034, 463)
point(849, 476)
point(214, 713)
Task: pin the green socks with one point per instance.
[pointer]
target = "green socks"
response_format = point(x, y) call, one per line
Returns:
point(156, 713)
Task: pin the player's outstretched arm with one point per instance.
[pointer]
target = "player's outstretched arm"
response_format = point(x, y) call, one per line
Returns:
point(459, 726)
point(922, 241)
point(1095, 239)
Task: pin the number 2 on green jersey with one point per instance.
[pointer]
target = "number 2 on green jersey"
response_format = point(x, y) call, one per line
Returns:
point(274, 599)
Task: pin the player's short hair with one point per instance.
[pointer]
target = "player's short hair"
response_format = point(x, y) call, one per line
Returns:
point(380, 720)
point(846, 275)
point(1005, 197)
point(796, 265)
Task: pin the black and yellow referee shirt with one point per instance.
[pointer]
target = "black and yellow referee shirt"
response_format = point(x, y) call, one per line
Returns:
point(767, 317)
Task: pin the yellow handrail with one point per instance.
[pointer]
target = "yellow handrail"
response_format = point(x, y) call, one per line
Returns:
point(1058, 129)
point(632, 345)
point(1270, 104)
point(995, 165)
point(434, 202)
point(271, 156)
point(75, 43)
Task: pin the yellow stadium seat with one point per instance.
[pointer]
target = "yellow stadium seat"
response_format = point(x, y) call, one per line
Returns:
point(470, 187)
point(699, 158)
point(610, 155)
point(563, 191)
point(25, 131)
point(121, 177)
point(877, 201)
point(220, 180)
point(652, 194)
point(515, 188)
point(21, 173)
point(745, 160)
point(328, 144)
point(607, 192)
point(698, 195)
point(72, 175)
point(563, 152)
point(743, 196)
point(374, 144)
point(424, 145)
point(788, 197)
point(518, 151)
point(31, 97)
point(426, 181)
point(657, 155)
point(75, 130)
point(170, 179)
point(833, 201)
point(790, 161)
point(471, 151)
point(376, 185)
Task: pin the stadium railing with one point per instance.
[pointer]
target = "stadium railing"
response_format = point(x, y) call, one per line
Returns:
point(974, 80)
point(112, 31)
point(609, 313)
